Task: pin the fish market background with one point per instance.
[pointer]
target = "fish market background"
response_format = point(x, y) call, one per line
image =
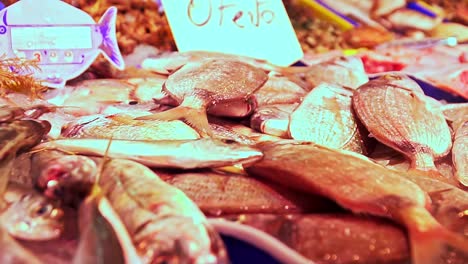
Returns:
point(356, 154)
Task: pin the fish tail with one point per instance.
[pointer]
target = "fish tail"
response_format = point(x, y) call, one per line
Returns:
point(429, 239)
point(196, 118)
point(425, 249)
point(422, 159)
point(109, 47)
point(429, 247)
point(455, 240)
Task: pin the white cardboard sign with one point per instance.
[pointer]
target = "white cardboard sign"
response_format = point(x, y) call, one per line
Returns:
point(254, 28)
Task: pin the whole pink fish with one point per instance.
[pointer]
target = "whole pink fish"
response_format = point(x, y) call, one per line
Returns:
point(361, 186)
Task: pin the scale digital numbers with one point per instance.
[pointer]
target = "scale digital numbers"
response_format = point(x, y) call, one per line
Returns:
point(53, 37)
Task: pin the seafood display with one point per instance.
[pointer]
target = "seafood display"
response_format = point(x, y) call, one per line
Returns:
point(347, 157)
point(145, 162)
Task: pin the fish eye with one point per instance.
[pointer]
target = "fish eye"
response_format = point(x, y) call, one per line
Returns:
point(133, 103)
point(42, 209)
point(229, 141)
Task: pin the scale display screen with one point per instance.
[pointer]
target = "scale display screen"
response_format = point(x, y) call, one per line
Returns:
point(56, 37)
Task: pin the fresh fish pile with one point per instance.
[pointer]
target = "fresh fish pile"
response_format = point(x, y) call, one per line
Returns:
point(334, 166)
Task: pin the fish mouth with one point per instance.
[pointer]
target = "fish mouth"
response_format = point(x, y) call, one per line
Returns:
point(41, 232)
point(250, 156)
point(251, 161)
point(239, 152)
point(54, 232)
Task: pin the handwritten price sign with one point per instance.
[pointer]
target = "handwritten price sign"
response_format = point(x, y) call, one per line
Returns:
point(239, 17)
point(255, 28)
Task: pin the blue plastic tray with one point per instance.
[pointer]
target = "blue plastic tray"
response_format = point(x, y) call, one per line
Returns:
point(243, 253)
point(439, 94)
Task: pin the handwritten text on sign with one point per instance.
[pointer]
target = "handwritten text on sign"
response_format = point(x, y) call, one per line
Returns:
point(255, 28)
point(232, 12)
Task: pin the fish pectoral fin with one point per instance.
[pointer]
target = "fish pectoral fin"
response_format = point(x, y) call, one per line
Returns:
point(196, 118)
point(168, 115)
